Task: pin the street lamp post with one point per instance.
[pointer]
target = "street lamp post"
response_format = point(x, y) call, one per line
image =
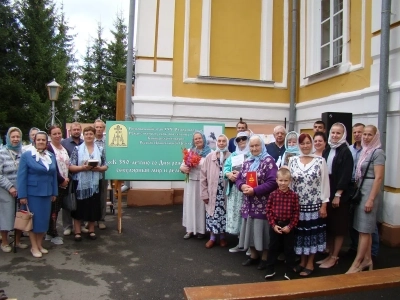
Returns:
point(76, 102)
point(53, 89)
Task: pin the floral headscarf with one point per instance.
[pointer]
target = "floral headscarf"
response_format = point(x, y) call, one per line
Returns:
point(206, 149)
point(367, 149)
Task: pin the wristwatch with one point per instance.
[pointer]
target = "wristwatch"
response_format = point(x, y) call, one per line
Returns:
point(338, 195)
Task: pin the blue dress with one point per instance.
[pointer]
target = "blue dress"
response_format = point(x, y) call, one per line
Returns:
point(37, 184)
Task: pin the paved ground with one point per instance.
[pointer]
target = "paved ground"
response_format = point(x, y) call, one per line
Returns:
point(149, 260)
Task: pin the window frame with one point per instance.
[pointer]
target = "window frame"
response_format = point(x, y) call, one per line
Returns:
point(310, 34)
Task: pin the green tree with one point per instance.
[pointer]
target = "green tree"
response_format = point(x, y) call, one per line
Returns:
point(97, 102)
point(47, 53)
point(11, 90)
point(104, 65)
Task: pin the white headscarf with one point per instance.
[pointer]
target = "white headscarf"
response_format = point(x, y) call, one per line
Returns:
point(222, 151)
point(341, 141)
point(246, 149)
point(311, 154)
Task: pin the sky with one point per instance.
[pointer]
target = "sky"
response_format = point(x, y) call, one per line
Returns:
point(85, 15)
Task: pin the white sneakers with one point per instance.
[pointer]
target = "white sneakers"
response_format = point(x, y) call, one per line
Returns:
point(6, 248)
point(236, 249)
point(67, 231)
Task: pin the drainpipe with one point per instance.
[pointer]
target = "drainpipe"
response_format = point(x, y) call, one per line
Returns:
point(129, 67)
point(293, 68)
point(129, 63)
point(384, 70)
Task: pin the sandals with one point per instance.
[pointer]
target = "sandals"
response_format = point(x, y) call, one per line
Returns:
point(92, 236)
point(298, 269)
point(306, 271)
point(78, 237)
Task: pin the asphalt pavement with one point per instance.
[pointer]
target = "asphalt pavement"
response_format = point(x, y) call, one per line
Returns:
point(149, 260)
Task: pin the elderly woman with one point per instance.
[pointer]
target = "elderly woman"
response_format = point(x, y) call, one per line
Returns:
point(340, 166)
point(311, 183)
point(292, 147)
point(213, 185)
point(320, 142)
point(62, 159)
point(234, 196)
point(9, 160)
point(371, 195)
point(37, 187)
point(87, 162)
point(256, 180)
point(193, 207)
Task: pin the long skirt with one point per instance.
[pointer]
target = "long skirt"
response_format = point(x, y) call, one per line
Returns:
point(88, 209)
point(254, 233)
point(40, 207)
point(310, 231)
point(233, 205)
point(7, 210)
point(217, 222)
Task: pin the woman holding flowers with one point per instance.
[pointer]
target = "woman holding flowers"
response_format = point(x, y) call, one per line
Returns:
point(234, 201)
point(213, 182)
point(193, 207)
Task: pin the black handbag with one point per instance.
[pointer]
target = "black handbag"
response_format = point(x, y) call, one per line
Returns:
point(355, 196)
point(69, 200)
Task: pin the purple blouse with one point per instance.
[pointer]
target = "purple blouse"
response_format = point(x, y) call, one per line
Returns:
point(255, 206)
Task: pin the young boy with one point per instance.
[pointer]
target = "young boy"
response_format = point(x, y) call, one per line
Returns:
point(283, 215)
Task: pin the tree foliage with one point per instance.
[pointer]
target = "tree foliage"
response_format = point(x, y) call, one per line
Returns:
point(103, 66)
point(37, 48)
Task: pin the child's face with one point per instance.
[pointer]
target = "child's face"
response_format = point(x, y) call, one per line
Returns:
point(283, 182)
point(292, 142)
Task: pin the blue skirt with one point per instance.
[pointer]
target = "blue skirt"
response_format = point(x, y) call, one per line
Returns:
point(41, 208)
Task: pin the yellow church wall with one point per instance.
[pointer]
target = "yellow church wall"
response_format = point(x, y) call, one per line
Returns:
point(250, 69)
point(352, 81)
point(194, 38)
point(235, 39)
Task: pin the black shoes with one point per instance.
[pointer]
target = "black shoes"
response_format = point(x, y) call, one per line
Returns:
point(270, 273)
point(262, 265)
point(250, 261)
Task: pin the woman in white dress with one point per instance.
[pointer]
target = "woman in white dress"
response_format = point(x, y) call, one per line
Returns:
point(194, 216)
point(310, 181)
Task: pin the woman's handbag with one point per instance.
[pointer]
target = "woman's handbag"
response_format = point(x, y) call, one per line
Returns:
point(69, 200)
point(24, 219)
point(355, 196)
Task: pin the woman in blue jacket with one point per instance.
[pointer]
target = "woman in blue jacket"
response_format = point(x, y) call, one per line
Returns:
point(38, 187)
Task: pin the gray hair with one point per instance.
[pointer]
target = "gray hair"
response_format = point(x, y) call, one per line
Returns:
point(279, 127)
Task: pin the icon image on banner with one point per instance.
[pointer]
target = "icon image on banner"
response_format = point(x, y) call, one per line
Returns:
point(118, 136)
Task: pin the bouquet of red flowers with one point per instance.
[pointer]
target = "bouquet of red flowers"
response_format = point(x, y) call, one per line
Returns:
point(191, 160)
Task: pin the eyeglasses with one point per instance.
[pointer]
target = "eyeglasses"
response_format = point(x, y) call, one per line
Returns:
point(241, 138)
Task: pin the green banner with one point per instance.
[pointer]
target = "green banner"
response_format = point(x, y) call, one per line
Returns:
point(151, 150)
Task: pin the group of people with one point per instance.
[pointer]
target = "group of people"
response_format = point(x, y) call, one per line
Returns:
point(291, 197)
point(37, 177)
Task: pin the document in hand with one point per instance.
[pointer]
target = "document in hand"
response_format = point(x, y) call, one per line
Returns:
point(237, 162)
